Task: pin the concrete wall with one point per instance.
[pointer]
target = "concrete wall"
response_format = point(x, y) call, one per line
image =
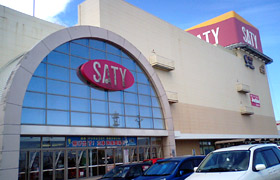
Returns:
point(205, 76)
point(20, 32)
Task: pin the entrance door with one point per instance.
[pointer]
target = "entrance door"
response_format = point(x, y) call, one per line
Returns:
point(33, 165)
point(48, 162)
point(59, 159)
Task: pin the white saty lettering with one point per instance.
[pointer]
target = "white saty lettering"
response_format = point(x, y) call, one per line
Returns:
point(106, 71)
point(97, 72)
point(115, 74)
point(198, 36)
point(249, 37)
point(215, 34)
point(206, 35)
point(123, 76)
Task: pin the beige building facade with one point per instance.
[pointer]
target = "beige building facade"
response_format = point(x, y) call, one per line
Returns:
point(198, 94)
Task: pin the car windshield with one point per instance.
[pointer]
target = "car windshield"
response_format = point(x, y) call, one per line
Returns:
point(119, 171)
point(225, 161)
point(162, 168)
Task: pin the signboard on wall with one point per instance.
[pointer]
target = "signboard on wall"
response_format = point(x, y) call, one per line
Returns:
point(106, 74)
point(100, 141)
point(228, 29)
point(255, 100)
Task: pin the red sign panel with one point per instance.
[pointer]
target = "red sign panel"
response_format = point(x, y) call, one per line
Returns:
point(107, 74)
point(228, 32)
point(255, 100)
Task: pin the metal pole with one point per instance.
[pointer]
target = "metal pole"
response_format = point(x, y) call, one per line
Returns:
point(33, 7)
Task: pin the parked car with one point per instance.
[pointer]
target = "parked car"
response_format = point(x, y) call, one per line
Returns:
point(177, 168)
point(254, 162)
point(126, 172)
point(152, 161)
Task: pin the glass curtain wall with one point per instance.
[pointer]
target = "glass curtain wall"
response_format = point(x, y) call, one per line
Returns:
point(56, 96)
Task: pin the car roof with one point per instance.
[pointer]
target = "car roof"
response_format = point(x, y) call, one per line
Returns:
point(179, 158)
point(244, 147)
point(133, 164)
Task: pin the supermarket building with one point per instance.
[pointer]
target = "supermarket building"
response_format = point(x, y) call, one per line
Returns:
point(157, 91)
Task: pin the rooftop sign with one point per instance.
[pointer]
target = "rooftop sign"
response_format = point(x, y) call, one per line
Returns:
point(107, 74)
point(228, 29)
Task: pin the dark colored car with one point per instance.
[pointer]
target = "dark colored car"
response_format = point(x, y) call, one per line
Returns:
point(177, 168)
point(126, 172)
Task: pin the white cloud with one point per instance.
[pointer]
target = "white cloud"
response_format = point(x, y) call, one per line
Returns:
point(44, 9)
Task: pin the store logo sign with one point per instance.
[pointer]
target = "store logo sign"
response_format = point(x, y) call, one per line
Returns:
point(255, 100)
point(106, 74)
point(249, 62)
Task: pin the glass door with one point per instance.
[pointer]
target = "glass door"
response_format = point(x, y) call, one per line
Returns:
point(102, 161)
point(59, 164)
point(92, 162)
point(33, 165)
point(47, 165)
point(82, 163)
point(72, 161)
point(22, 165)
point(110, 160)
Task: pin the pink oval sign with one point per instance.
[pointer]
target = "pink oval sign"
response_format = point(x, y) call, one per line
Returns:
point(107, 74)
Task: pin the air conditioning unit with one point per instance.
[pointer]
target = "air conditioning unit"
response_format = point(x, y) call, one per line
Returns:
point(246, 110)
point(242, 88)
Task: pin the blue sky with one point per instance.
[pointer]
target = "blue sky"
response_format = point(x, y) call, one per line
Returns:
point(263, 14)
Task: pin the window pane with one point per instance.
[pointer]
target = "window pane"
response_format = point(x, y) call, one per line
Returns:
point(143, 89)
point(30, 142)
point(80, 104)
point(113, 49)
point(153, 93)
point(58, 59)
point(34, 100)
point(58, 117)
point(146, 123)
point(33, 116)
point(76, 62)
point(63, 48)
point(100, 120)
point(145, 100)
point(80, 90)
point(130, 98)
point(99, 106)
point(155, 102)
point(116, 59)
point(138, 69)
point(129, 64)
point(58, 102)
point(98, 94)
point(58, 87)
point(80, 119)
point(97, 44)
point(141, 78)
point(143, 141)
point(41, 70)
point(133, 88)
point(270, 157)
point(79, 50)
point(74, 77)
point(157, 113)
point(81, 41)
point(53, 142)
point(145, 111)
point(116, 121)
point(96, 54)
point(132, 122)
point(56, 72)
point(131, 110)
point(159, 124)
point(116, 108)
point(37, 84)
point(116, 96)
